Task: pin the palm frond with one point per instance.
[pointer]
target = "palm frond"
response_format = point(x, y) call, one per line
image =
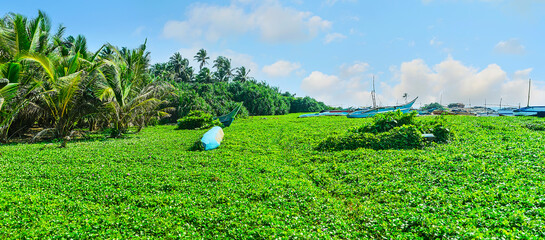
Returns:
point(36, 32)
point(67, 89)
point(22, 42)
point(73, 64)
point(44, 62)
point(11, 71)
point(8, 92)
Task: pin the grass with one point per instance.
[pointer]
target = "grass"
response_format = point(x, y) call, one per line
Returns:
point(267, 181)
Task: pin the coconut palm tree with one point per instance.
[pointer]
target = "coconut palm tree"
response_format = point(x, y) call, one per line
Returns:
point(65, 89)
point(160, 70)
point(201, 57)
point(20, 40)
point(223, 69)
point(18, 35)
point(241, 74)
point(180, 68)
point(204, 76)
point(128, 95)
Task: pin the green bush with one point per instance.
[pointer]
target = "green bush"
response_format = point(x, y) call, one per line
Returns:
point(386, 121)
point(438, 128)
point(535, 126)
point(404, 137)
point(197, 120)
point(392, 130)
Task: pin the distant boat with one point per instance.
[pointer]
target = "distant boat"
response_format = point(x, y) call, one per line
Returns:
point(530, 111)
point(538, 111)
point(405, 108)
point(509, 111)
point(341, 112)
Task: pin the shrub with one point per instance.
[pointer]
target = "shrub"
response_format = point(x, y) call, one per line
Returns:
point(438, 128)
point(197, 120)
point(386, 121)
point(392, 130)
point(404, 137)
point(535, 126)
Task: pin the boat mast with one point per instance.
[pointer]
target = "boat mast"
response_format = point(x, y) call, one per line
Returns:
point(529, 86)
point(373, 94)
point(485, 109)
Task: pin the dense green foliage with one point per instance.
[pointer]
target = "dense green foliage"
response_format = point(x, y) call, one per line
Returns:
point(56, 86)
point(391, 130)
point(198, 120)
point(306, 104)
point(266, 181)
point(217, 92)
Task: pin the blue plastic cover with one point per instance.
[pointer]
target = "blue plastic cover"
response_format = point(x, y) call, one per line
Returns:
point(211, 139)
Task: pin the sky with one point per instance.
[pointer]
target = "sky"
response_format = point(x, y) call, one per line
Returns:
point(468, 51)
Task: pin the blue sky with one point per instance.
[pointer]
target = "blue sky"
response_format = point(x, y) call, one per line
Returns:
point(464, 51)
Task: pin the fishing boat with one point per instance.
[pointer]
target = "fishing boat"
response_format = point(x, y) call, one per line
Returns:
point(227, 119)
point(405, 108)
point(508, 111)
point(530, 111)
point(538, 111)
point(341, 112)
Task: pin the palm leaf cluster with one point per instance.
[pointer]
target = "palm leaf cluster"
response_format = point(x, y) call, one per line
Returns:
point(53, 83)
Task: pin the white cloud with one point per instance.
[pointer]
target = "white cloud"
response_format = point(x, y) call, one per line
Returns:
point(281, 68)
point(138, 31)
point(455, 82)
point(449, 81)
point(239, 59)
point(350, 88)
point(333, 2)
point(511, 47)
point(269, 19)
point(333, 37)
point(356, 69)
point(318, 81)
point(280, 24)
point(435, 42)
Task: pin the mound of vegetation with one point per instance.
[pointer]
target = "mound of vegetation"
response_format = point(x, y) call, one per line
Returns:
point(535, 126)
point(392, 130)
point(198, 120)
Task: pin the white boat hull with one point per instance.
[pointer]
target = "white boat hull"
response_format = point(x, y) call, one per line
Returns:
point(372, 112)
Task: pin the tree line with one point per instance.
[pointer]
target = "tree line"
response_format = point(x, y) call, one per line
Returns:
point(55, 84)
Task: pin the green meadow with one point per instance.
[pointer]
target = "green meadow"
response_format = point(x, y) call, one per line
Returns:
point(266, 180)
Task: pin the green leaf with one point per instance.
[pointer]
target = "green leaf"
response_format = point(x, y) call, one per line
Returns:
point(43, 61)
point(10, 71)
